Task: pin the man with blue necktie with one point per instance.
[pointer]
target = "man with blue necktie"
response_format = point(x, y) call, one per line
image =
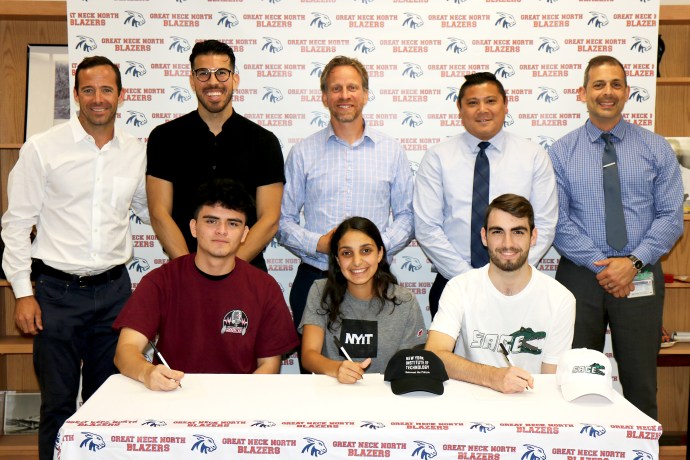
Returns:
point(459, 177)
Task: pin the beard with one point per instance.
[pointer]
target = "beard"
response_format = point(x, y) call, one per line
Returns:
point(217, 107)
point(508, 266)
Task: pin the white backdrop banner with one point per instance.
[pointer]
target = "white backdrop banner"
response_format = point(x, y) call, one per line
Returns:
point(416, 53)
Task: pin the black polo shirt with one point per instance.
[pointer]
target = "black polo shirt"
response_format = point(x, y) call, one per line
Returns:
point(185, 152)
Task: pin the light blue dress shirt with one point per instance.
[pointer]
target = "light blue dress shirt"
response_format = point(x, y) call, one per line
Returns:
point(329, 180)
point(651, 189)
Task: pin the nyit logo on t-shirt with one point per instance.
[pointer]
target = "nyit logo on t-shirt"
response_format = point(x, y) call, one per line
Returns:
point(359, 338)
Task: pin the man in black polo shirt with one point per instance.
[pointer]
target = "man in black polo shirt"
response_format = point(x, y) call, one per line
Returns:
point(212, 142)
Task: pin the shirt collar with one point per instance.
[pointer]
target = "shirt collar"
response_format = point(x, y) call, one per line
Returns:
point(226, 124)
point(368, 133)
point(497, 142)
point(79, 133)
point(595, 133)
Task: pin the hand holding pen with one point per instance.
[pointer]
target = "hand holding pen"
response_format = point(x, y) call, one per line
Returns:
point(162, 377)
point(350, 371)
point(515, 379)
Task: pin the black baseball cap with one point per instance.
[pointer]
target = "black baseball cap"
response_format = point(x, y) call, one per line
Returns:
point(415, 370)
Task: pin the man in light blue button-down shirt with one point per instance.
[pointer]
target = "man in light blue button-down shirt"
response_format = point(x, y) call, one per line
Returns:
point(622, 287)
point(346, 169)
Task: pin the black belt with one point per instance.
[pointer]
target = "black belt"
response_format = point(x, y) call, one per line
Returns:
point(312, 269)
point(82, 281)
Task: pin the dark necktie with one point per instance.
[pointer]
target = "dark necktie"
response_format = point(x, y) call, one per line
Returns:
point(616, 235)
point(480, 201)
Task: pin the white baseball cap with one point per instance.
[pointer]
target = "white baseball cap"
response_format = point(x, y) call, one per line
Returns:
point(582, 371)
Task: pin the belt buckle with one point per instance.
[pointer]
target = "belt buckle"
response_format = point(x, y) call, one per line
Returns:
point(81, 281)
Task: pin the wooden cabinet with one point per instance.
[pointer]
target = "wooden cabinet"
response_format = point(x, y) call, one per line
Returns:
point(673, 88)
point(674, 381)
point(673, 120)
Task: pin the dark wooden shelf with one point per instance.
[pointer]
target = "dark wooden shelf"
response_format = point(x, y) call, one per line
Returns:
point(16, 345)
point(677, 285)
point(674, 14)
point(677, 355)
point(34, 10)
point(19, 446)
point(673, 81)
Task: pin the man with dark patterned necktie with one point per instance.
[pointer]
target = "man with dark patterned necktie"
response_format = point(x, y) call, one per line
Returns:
point(620, 210)
point(459, 177)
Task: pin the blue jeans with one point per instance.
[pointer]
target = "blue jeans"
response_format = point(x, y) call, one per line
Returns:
point(77, 338)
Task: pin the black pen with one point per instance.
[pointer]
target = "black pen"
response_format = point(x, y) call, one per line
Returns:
point(160, 357)
point(506, 355)
point(342, 348)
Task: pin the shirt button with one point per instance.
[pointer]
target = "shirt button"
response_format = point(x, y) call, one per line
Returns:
point(213, 167)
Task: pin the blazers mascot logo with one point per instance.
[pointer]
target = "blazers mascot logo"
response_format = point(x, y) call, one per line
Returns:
point(92, 441)
point(533, 453)
point(424, 450)
point(314, 447)
point(320, 20)
point(204, 444)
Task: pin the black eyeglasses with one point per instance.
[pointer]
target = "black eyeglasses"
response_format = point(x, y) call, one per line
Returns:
point(205, 74)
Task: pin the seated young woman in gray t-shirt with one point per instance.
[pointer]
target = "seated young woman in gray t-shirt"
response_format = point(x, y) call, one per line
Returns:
point(359, 307)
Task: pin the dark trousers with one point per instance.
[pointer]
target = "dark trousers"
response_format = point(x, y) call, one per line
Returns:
point(305, 277)
point(435, 293)
point(635, 329)
point(77, 338)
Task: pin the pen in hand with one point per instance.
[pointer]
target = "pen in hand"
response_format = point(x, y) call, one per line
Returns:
point(506, 355)
point(342, 348)
point(160, 357)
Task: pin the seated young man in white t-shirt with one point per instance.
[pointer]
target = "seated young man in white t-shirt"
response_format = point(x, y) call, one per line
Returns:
point(507, 302)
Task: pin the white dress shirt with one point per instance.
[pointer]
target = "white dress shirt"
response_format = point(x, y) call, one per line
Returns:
point(443, 195)
point(78, 197)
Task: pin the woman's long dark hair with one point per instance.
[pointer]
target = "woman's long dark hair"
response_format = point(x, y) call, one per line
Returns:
point(336, 284)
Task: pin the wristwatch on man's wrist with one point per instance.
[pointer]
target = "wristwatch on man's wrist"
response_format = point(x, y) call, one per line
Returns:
point(637, 263)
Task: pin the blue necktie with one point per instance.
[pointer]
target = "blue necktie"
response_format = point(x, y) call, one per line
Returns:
point(480, 201)
point(616, 235)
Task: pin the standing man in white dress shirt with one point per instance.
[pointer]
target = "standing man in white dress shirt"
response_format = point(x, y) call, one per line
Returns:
point(75, 183)
point(444, 185)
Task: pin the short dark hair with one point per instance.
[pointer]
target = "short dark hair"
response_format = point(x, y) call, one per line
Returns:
point(228, 194)
point(211, 47)
point(475, 79)
point(95, 61)
point(603, 60)
point(515, 205)
point(340, 61)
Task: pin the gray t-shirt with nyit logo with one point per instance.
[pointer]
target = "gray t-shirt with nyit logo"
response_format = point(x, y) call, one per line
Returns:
point(365, 330)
